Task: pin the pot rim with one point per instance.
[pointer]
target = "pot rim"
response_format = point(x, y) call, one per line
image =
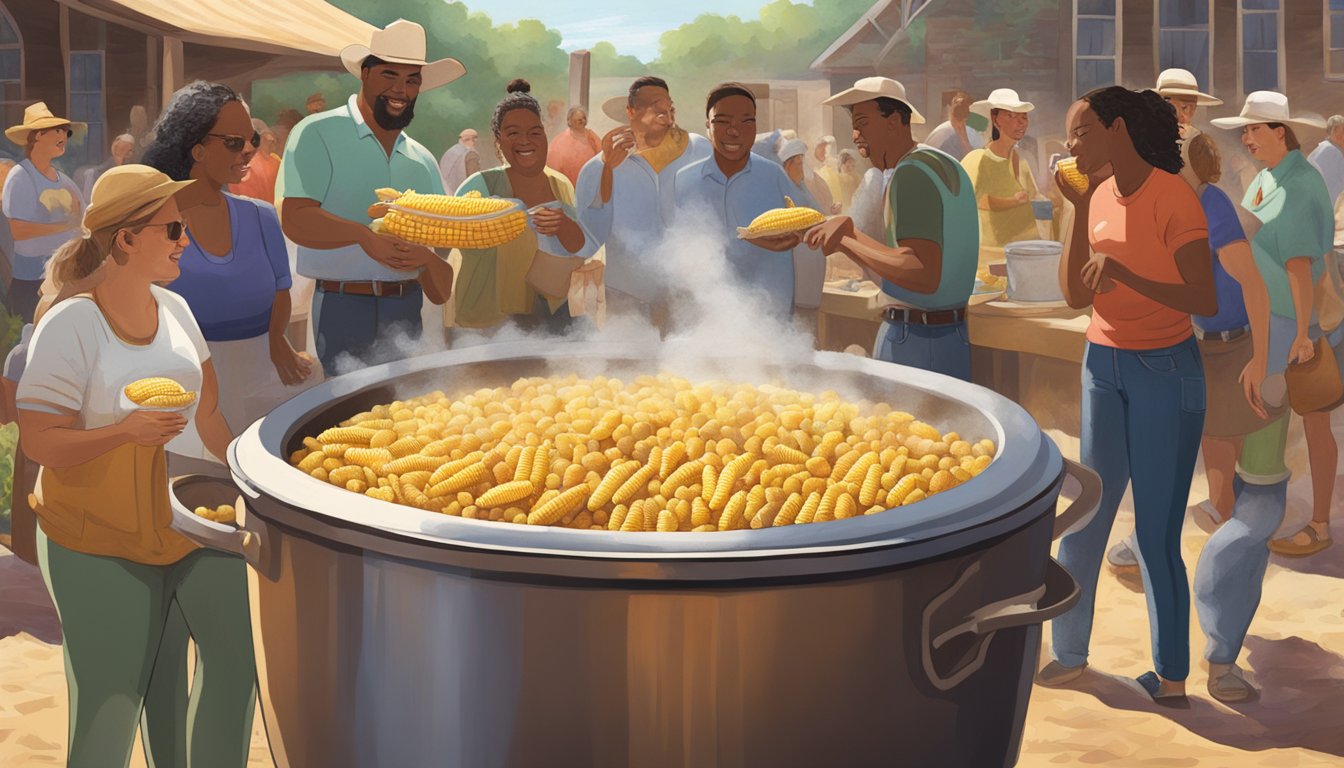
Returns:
point(1025, 466)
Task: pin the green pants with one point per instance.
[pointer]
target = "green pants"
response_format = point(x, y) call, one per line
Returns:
point(1262, 453)
point(126, 626)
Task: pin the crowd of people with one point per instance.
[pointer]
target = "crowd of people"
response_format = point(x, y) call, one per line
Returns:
point(177, 265)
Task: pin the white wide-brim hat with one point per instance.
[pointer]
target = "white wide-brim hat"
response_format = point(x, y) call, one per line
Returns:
point(1267, 107)
point(1182, 82)
point(1001, 98)
point(870, 88)
point(403, 42)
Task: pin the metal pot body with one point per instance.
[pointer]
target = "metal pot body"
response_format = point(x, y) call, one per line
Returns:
point(370, 659)
point(390, 636)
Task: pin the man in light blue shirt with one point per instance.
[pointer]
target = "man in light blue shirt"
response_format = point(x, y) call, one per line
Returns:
point(369, 285)
point(625, 194)
point(734, 186)
point(1328, 157)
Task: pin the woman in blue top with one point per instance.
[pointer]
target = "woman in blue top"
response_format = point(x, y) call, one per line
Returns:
point(235, 272)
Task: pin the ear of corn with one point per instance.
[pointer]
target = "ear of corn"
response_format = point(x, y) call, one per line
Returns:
point(180, 400)
point(1068, 169)
point(450, 221)
point(142, 390)
point(782, 221)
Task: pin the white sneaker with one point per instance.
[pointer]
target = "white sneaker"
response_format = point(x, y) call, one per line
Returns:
point(1122, 555)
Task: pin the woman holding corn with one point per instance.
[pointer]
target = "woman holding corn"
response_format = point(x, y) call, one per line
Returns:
point(528, 278)
point(115, 569)
point(1139, 255)
point(234, 272)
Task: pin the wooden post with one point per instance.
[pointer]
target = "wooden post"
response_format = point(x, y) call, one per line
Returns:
point(65, 53)
point(580, 64)
point(151, 73)
point(174, 68)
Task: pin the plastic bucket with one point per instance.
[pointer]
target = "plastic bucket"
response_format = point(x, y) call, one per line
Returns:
point(1033, 270)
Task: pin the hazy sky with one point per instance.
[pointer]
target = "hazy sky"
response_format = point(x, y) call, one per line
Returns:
point(633, 27)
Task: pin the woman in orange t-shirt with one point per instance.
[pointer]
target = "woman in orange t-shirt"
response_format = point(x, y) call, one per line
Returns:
point(573, 147)
point(1139, 255)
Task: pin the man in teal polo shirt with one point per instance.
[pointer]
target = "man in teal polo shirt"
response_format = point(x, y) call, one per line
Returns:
point(928, 260)
point(369, 286)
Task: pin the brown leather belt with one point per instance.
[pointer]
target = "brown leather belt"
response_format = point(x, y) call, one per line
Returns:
point(377, 288)
point(1232, 335)
point(895, 314)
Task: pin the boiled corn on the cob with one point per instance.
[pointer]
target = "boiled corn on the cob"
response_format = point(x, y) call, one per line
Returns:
point(159, 392)
point(1068, 169)
point(449, 221)
point(676, 456)
point(782, 221)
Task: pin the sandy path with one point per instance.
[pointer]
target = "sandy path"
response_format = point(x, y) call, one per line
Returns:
point(1294, 653)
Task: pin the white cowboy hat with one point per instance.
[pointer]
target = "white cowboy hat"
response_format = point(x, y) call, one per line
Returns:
point(403, 42)
point(37, 118)
point(1181, 82)
point(1001, 98)
point(1267, 107)
point(869, 88)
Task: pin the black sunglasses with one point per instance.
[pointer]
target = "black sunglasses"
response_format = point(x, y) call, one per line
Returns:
point(172, 228)
point(235, 143)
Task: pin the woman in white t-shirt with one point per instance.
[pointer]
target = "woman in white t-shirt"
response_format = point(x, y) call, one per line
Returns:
point(119, 575)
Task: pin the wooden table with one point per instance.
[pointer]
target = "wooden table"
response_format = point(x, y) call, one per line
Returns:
point(1032, 355)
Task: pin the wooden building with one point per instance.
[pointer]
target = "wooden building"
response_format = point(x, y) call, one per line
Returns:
point(95, 60)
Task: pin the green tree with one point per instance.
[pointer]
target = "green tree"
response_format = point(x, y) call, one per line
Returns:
point(607, 62)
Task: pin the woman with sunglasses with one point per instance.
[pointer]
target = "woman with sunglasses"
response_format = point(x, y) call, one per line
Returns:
point(235, 269)
point(42, 203)
point(120, 577)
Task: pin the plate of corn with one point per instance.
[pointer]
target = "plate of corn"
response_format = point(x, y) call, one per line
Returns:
point(781, 221)
point(448, 221)
point(156, 393)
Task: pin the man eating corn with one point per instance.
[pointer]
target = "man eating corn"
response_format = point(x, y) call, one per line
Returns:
point(367, 283)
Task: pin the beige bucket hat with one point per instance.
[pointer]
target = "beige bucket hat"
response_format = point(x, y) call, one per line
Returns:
point(37, 117)
point(1267, 107)
point(403, 42)
point(1182, 82)
point(869, 88)
point(127, 189)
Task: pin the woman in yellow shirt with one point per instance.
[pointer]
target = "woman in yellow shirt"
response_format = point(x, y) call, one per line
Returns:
point(1004, 186)
point(493, 284)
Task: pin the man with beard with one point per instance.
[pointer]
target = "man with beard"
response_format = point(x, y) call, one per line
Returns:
point(928, 257)
point(625, 194)
point(369, 285)
point(734, 186)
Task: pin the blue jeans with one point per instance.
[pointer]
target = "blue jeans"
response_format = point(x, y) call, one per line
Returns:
point(363, 326)
point(944, 349)
point(1231, 569)
point(1143, 415)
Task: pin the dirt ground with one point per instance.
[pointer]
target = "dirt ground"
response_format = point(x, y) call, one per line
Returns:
point(1293, 653)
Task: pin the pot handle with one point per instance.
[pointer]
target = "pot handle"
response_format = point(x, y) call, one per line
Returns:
point(1080, 512)
point(1058, 594)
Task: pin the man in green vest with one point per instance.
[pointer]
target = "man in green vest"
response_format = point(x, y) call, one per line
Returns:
point(928, 260)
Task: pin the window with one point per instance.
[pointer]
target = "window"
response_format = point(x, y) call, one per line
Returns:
point(86, 104)
point(1334, 39)
point(1096, 35)
point(1261, 45)
point(11, 70)
point(1183, 38)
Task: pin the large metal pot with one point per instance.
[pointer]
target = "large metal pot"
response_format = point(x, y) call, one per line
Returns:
point(387, 636)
